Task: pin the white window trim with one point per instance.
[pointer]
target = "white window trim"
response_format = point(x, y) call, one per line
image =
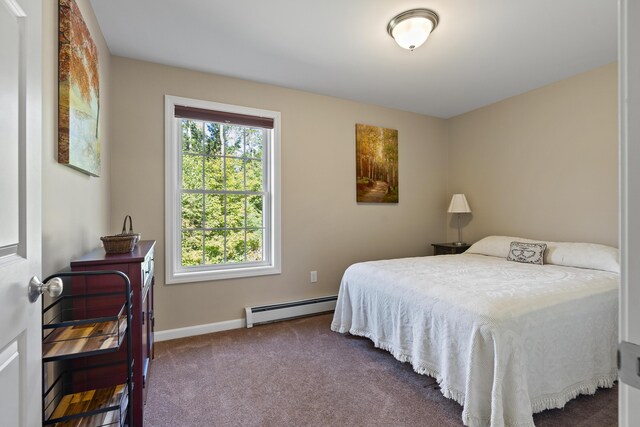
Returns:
point(174, 272)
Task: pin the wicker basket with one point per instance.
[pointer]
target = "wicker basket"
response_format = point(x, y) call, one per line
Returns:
point(121, 243)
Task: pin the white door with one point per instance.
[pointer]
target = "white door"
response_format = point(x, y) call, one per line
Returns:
point(20, 211)
point(629, 397)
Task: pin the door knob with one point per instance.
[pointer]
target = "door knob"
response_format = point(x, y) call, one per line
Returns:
point(53, 288)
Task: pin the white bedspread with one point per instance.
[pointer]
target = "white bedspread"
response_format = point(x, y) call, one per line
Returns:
point(503, 339)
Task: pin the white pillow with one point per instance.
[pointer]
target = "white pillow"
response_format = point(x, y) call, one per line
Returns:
point(581, 255)
point(496, 245)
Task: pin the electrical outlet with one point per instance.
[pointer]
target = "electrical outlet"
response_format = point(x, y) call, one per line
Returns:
point(314, 276)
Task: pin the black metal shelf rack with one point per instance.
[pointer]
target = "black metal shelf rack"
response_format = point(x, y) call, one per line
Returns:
point(73, 328)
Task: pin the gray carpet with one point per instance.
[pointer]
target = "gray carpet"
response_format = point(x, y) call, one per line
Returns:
point(299, 373)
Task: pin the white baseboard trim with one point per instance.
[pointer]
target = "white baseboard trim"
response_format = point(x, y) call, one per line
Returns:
point(190, 331)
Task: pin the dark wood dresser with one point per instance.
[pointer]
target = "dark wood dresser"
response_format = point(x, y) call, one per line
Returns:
point(138, 265)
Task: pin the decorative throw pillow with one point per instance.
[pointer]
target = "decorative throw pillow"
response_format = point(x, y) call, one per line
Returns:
point(530, 253)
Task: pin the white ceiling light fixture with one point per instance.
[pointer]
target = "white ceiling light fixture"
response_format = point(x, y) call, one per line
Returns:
point(411, 29)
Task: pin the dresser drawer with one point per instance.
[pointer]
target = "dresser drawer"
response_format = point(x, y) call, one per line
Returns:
point(147, 269)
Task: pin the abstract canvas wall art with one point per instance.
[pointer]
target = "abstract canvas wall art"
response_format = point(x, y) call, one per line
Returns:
point(78, 92)
point(376, 164)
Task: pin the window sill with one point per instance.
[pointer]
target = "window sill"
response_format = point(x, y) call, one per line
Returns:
point(212, 275)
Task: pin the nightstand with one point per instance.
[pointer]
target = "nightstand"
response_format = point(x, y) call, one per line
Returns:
point(448, 248)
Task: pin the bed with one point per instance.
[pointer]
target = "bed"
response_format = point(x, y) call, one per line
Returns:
point(504, 339)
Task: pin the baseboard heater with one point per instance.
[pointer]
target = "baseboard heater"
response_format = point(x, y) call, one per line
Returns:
point(288, 310)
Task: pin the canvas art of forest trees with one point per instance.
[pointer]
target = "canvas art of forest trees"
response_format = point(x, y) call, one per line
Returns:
point(78, 92)
point(222, 193)
point(376, 164)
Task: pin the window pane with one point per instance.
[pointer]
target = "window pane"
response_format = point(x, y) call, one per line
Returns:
point(254, 211)
point(212, 141)
point(192, 209)
point(214, 211)
point(192, 136)
point(254, 245)
point(235, 245)
point(191, 172)
point(235, 174)
point(254, 141)
point(214, 247)
point(235, 212)
point(233, 140)
point(213, 173)
point(191, 248)
point(254, 175)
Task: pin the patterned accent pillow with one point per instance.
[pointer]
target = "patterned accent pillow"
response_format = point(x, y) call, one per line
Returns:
point(530, 253)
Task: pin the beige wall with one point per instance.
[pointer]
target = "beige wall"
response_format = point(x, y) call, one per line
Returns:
point(323, 228)
point(75, 207)
point(542, 164)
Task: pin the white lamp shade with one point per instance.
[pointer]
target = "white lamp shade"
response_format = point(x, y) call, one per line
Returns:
point(413, 32)
point(459, 204)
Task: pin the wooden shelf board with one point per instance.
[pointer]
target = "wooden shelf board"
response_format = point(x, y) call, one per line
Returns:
point(87, 401)
point(80, 339)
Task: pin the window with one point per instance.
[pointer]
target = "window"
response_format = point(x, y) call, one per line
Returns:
point(222, 188)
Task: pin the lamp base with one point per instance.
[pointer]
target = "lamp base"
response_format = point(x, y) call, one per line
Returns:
point(458, 243)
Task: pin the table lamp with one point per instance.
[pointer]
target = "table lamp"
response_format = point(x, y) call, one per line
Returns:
point(459, 205)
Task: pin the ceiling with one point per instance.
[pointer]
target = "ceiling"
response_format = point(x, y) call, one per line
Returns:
point(481, 51)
